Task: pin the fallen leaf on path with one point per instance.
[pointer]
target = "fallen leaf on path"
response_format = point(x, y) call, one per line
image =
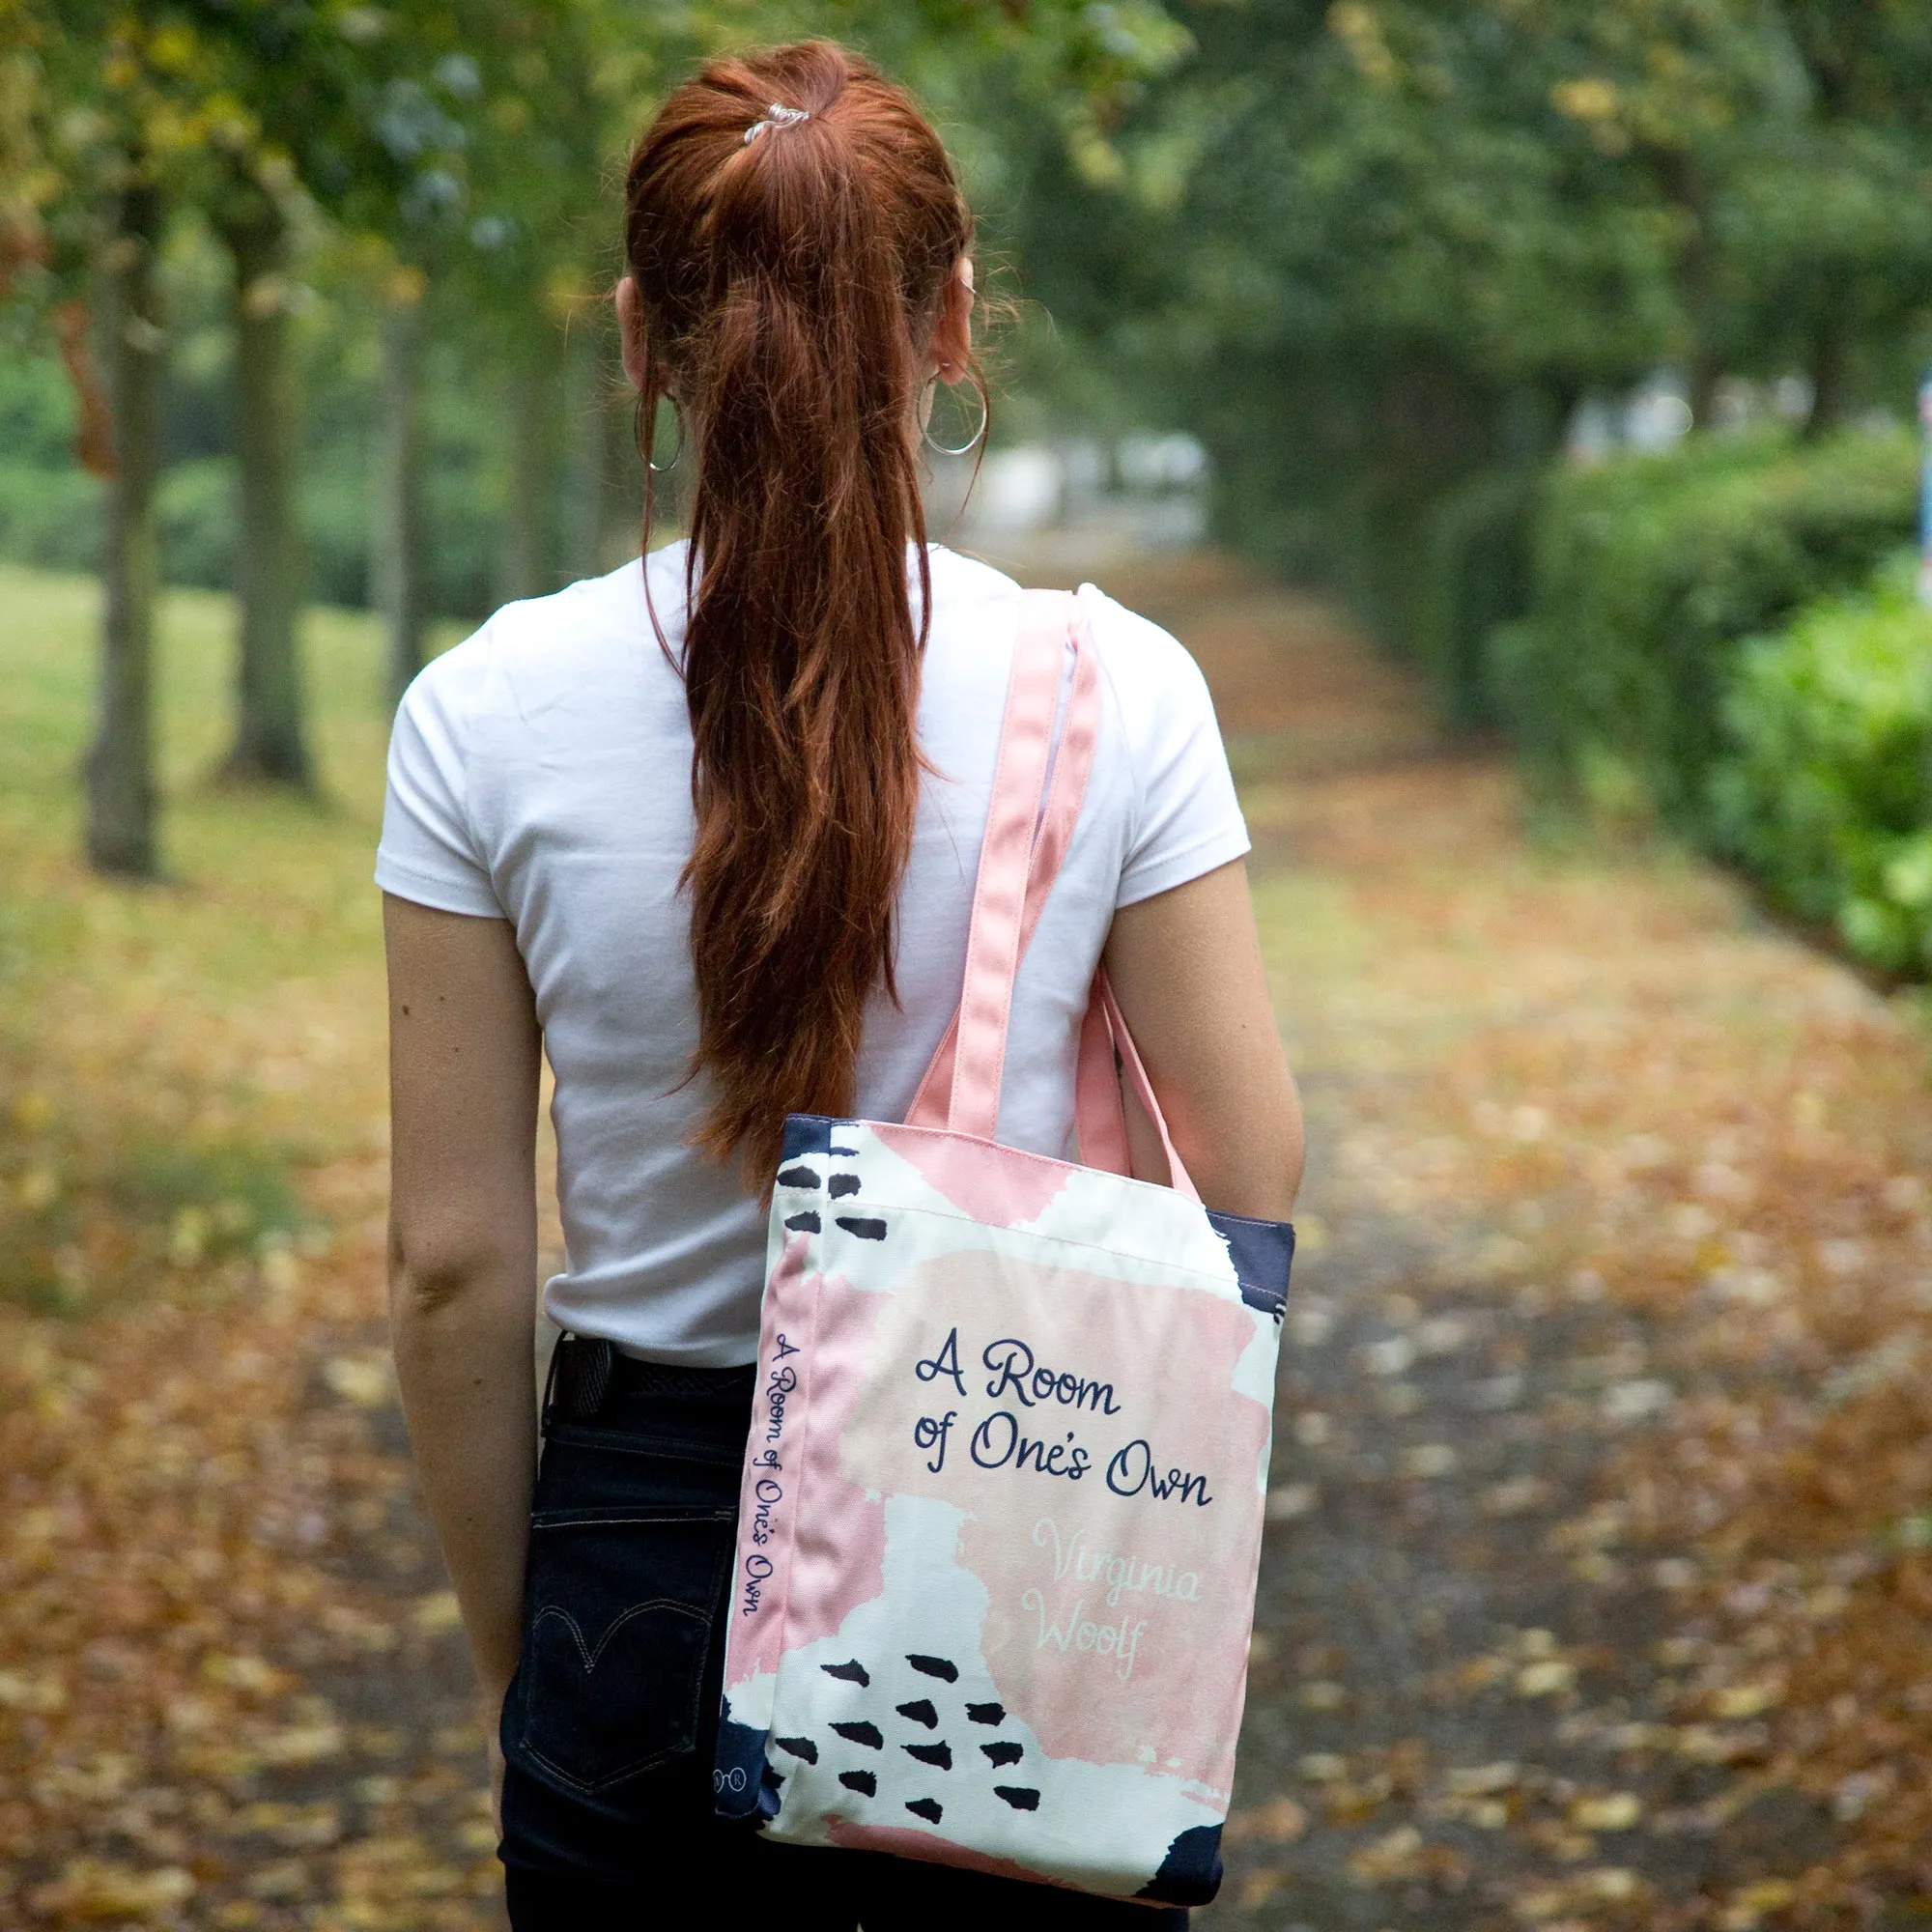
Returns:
point(1280, 1821)
point(1618, 1812)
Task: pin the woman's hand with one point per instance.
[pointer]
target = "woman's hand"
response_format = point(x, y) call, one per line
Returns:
point(463, 1056)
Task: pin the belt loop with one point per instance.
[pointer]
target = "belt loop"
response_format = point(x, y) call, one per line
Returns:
point(580, 1379)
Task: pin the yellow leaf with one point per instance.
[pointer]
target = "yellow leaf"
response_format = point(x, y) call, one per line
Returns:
point(361, 1380)
point(188, 1236)
point(1280, 1821)
point(1389, 1858)
point(437, 1612)
point(242, 1673)
point(96, 1889)
point(1482, 1780)
point(1617, 1813)
point(1546, 1678)
point(1429, 1459)
point(40, 1691)
point(1750, 1903)
point(1591, 99)
point(1746, 1701)
point(172, 49)
point(304, 1743)
point(1258, 1888)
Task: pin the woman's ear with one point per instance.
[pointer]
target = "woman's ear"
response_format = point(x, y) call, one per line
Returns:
point(953, 335)
point(631, 329)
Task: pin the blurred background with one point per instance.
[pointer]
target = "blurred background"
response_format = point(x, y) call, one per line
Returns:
point(1513, 404)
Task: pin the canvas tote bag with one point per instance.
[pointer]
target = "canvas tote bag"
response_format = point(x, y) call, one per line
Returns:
point(1002, 1502)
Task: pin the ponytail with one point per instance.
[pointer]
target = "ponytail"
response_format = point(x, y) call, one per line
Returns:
point(790, 278)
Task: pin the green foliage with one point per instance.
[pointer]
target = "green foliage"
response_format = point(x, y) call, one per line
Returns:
point(1825, 794)
point(36, 411)
point(51, 510)
point(147, 1139)
point(1375, 251)
point(49, 517)
point(1472, 578)
point(1648, 572)
point(196, 501)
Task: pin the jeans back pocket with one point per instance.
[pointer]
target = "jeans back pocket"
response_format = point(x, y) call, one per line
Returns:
point(621, 1602)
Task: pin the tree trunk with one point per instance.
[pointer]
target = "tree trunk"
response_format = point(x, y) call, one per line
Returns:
point(120, 769)
point(271, 743)
point(1697, 282)
point(396, 527)
point(589, 435)
point(527, 522)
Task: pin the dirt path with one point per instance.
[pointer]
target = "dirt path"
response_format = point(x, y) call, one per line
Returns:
point(1614, 1217)
point(1598, 1588)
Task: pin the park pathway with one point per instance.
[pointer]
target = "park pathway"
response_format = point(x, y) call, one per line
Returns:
point(1604, 1175)
point(1614, 1210)
point(1598, 1580)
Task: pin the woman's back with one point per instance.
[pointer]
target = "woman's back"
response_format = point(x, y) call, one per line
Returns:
point(706, 831)
point(541, 772)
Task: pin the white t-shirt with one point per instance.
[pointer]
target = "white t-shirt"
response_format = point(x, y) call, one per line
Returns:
point(540, 772)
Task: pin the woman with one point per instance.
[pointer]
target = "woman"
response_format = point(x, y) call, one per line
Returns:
point(704, 832)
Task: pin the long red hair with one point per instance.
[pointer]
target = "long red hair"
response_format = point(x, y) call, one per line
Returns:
point(790, 285)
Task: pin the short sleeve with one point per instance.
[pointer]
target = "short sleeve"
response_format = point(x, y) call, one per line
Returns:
point(429, 852)
point(1186, 820)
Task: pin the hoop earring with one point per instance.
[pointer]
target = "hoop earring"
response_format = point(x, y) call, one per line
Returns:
point(665, 468)
point(979, 430)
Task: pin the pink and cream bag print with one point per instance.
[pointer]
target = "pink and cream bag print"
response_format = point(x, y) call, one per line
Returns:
point(1002, 1499)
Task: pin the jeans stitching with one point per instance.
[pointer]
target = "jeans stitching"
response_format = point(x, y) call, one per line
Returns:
point(685, 1735)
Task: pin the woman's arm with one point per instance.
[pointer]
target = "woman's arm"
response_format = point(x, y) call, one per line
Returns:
point(1187, 967)
point(463, 1054)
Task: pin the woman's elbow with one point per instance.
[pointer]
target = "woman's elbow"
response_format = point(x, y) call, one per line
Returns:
point(432, 1274)
point(1255, 1172)
point(1253, 1164)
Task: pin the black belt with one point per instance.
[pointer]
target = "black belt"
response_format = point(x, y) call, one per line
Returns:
point(588, 1375)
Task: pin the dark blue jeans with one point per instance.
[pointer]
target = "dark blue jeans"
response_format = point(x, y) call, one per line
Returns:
point(609, 1726)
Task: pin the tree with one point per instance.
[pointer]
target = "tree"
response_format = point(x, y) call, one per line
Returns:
point(121, 761)
point(1375, 252)
point(338, 114)
point(108, 107)
point(396, 521)
point(270, 740)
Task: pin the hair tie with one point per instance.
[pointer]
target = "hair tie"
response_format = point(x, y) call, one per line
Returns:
point(775, 116)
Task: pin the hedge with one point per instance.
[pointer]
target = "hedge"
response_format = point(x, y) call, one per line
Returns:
point(1825, 792)
point(1472, 578)
point(1648, 572)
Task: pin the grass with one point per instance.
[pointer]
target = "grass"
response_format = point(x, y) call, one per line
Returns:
point(172, 1056)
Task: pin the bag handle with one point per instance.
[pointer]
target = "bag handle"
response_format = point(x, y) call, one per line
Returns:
point(994, 939)
point(1108, 1056)
point(1049, 624)
point(1026, 842)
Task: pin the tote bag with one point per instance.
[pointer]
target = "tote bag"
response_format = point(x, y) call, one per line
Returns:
point(1003, 1497)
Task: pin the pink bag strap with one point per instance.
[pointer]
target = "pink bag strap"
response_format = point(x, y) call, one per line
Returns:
point(1098, 1119)
point(1049, 623)
point(1014, 814)
point(1107, 1054)
point(1026, 842)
